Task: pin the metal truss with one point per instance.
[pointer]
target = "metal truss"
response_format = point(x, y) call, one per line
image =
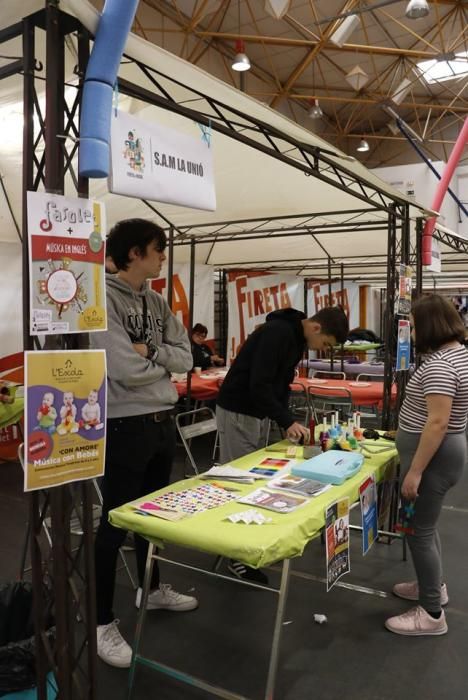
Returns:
point(322, 163)
point(59, 570)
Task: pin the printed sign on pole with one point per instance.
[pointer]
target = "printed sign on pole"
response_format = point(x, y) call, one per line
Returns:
point(150, 161)
point(66, 264)
point(337, 540)
point(65, 417)
point(436, 257)
point(252, 296)
point(368, 498)
point(403, 345)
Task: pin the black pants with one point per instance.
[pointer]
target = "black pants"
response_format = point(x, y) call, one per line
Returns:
point(139, 456)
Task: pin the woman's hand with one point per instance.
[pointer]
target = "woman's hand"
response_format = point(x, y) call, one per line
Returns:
point(410, 485)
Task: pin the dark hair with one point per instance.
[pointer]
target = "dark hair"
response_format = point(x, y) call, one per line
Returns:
point(133, 233)
point(436, 322)
point(200, 328)
point(333, 321)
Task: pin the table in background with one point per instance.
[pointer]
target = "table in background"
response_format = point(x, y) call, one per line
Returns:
point(204, 387)
point(258, 546)
point(351, 369)
point(362, 393)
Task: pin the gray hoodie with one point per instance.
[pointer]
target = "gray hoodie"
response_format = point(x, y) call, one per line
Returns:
point(137, 385)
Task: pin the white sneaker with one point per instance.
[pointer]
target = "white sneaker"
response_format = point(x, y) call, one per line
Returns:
point(165, 598)
point(112, 647)
point(410, 591)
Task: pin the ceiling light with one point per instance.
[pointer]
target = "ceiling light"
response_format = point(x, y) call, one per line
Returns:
point(241, 60)
point(277, 8)
point(357, 78)
point(315, 112)
point(416, 9)
point(345, 29)
point(363, 146)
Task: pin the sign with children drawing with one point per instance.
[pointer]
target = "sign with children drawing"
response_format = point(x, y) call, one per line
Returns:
point(65, 417)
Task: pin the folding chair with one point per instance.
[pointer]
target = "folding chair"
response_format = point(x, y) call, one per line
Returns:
point(298, 403)
point(193, 424)
point(369, 411)
point(333, 398)
point(328, 374)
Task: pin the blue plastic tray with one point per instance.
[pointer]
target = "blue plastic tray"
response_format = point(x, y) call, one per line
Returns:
point(332, 467)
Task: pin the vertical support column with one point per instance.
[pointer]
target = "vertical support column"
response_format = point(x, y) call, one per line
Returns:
point(342, 296)
point(191, 298)
point(224, 314)
point(419, 267)
point(389, 330)
point(170, 266)
point(403, 376)
point(332, 351)
point(35, 524)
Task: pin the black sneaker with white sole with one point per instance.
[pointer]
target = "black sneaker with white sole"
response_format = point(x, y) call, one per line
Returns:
point(242, 571)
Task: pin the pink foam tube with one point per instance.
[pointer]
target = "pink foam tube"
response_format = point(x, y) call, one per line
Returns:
point(444, 182)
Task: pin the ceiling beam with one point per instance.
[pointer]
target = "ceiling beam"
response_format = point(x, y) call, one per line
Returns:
point(310, 43)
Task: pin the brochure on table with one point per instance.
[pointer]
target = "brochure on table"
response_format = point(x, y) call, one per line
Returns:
point(337, 541)
point(65, 417)
point(66, 264)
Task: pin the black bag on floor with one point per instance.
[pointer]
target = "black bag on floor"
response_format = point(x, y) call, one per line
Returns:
point(17, 645)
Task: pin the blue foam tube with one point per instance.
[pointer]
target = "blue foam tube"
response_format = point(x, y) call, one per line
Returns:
point(96, 106)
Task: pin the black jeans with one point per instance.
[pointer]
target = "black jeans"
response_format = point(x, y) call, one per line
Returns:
point(139, 456)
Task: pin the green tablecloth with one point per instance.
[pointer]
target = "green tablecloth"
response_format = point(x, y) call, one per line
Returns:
point(11, 413)
point(256, 545)
point(358, 347)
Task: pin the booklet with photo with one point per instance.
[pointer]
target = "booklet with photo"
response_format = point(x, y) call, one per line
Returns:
point(279, 502)
point(298, 485)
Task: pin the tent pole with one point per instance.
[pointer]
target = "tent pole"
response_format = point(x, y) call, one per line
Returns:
point(190, 324)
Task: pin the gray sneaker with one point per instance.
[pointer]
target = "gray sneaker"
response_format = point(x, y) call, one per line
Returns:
point(165, 598)
point(112, 647)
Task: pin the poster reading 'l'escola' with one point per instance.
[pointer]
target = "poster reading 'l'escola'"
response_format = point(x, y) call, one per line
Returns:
point(66, 262)
point(65, 416)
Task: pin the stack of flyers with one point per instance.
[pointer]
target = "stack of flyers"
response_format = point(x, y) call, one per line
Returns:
point(228, 473)
point(271, 466)
point(298, 485)
point(149, 508)
point(279, 502)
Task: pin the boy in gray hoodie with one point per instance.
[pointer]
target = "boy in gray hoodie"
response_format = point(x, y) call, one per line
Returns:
point(144, 343)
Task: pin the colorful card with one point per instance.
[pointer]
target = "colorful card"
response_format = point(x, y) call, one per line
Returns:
point(337, 540)
point(299, 485)
point(273, 462)
point(65, 416)
point(66, 264)
point(188, 501)
point(406, 517)
point(279, 502)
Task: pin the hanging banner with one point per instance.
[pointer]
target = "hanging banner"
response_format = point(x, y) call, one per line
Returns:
point(65, 415)
point(348, 298)
point(368, 498)
point(150, 161)
point(203, 301)
point(337, 540)
point(252, 296)
point(436, 257)
point(66, 264)
point(403, 345)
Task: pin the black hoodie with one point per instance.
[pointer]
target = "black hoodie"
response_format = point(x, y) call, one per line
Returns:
point(257, 383)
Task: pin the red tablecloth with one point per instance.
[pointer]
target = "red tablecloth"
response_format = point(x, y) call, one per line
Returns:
point(362, 393)
point(201, 389)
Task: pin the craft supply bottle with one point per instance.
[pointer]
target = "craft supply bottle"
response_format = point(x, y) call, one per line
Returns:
point(312, 432)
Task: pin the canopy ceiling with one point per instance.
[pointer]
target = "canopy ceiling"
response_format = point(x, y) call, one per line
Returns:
point(249, 183)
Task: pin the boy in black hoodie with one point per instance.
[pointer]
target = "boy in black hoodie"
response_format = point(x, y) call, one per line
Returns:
point(256, 387)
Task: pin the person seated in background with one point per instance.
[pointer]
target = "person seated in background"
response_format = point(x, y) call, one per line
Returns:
point(203, 355)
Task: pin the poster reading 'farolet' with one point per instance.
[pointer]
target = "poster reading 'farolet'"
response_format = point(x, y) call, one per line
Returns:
point(66, 260)
point(65, 417)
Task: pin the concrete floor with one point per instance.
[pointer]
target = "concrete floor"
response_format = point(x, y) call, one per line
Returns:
point(226, 641)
